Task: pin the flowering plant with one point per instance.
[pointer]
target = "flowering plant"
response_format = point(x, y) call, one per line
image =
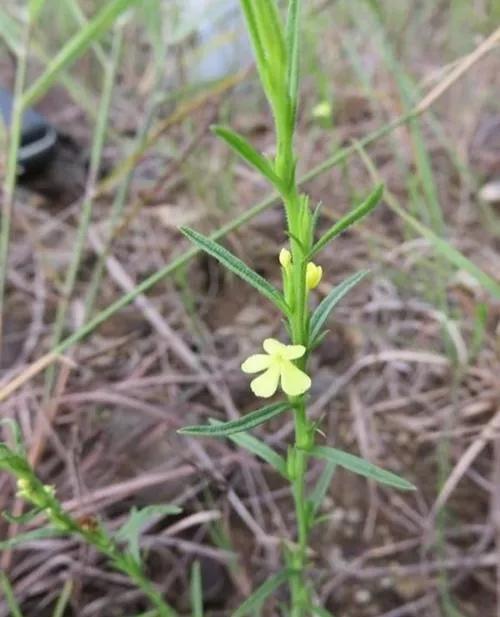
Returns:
point(276, 50)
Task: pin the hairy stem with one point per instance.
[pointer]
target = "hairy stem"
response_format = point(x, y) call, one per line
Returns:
point(297, 465)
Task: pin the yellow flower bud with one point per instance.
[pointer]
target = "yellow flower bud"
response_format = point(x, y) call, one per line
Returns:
point(313, 275)
point(285, 258)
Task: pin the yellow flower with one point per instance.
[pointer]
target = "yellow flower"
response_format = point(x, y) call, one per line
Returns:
point(277, 364)
point(285, 258)
point(313, 275)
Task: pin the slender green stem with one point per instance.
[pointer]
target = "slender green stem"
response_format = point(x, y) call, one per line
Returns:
point(297, 465)
point(88, 201)
point(12, 167)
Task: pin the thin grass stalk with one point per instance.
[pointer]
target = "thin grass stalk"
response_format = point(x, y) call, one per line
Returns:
point(159, 48)
point(88, 201)
point(10, 180)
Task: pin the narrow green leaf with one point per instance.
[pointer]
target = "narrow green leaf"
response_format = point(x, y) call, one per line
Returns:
point(260, 595)
point(22, 519)
point(325, 307)
point(34, 8)
point(253, 31)
point(10, 598)
point(245, 423)
point(242, 147)
point(260, 449)
point(196, 591)
point(130, 531)
point(232, 263)
point(63, 600)
point(361, 467)
point(29, 536)
point(293, 46)
point(75, 47)
point(10, 33)
point(322, 485)
point(355, 215)
point(449, 252)
point(16, 433)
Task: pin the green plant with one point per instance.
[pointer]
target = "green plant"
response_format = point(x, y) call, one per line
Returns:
point(120, 547)
point(276, 49)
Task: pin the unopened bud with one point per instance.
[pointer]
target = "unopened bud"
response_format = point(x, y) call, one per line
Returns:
point(285, 258)
point(313, 275)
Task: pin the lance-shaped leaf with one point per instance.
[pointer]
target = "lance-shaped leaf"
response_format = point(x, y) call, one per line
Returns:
point(234, 264)
point(259, 448)
point(292, 41)
point(30, 536)
point(361, 467)
point(355, 215)
point(130, 531)
point(324, 309)
point(260, 595)
point(241, 146)
point(245, 423)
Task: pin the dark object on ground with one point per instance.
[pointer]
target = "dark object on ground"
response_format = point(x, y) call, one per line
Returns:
point(51, 164)
point(38, 136)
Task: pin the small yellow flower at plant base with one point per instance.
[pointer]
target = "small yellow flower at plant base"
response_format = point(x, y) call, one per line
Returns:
point(313, 275)
point(285, 258)
point(277, 365)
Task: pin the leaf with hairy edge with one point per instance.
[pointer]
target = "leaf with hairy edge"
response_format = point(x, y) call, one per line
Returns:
point(232, 263)
point(361, 467)
point(260, 595)
point(247, 422)
point(241, 146)
point(324, 309)
point(369, 204)
point(259, 448)
point(130, 531)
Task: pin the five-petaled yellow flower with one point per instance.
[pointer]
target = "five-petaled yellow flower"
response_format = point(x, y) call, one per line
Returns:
point(277, 364)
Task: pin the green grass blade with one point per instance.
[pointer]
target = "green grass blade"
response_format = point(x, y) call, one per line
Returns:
point(98, 142)
point(196, 591)
point(241, 146)
point(10, 32)
point(10, 598)
point(234, 264)
point(260, 449)
point(324, 309)
point(34, 9)
point(75, 47)
point(445, 249)
point(63, 600)
point(260, 595)
point(361, 467)
point(355, 215)
point(245, 423)
point(319, 611)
